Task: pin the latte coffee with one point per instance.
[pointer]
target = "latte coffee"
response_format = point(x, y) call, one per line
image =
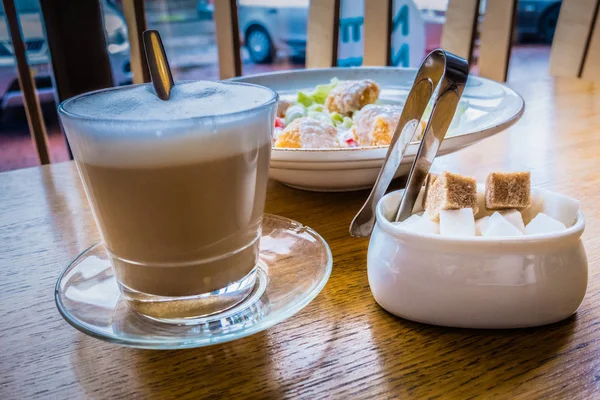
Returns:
point(177, 187)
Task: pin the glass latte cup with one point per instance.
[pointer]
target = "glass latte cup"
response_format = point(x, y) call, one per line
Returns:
point(177, 189)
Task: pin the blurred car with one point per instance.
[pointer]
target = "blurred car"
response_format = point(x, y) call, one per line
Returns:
point(268, 27)
point(538, 18)
point(38, 54)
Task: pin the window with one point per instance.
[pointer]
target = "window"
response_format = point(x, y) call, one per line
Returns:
point(16, 148)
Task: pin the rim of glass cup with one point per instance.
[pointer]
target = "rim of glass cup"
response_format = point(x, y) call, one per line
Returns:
point(62, 108)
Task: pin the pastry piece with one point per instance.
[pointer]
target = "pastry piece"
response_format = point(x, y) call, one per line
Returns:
point(374, 124)
point(307, 133)
point(282, 107)
point(350, 96)
point(451, 192)
point(504, 190)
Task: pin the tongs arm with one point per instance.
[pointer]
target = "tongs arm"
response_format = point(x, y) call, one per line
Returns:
point(450, 72)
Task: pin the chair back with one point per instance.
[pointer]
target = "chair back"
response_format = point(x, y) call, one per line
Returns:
point(576, 45)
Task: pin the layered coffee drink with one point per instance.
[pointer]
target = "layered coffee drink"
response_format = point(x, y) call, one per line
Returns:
point(177, 187)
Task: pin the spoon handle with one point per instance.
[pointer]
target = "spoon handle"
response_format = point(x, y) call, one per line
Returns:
point(433, 69)
point(158, 64)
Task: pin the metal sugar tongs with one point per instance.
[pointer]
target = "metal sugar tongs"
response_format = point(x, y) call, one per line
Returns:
point(450, 72)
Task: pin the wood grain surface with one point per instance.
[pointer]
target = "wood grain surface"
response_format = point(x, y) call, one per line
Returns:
point(342, 345)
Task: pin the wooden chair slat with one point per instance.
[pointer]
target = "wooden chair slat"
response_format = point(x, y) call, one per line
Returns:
point(458, 33)
point(496, 39)
point(571, 37)
point(377, 36)
point(228, 38)
point(135, 16)
point(322, 36)
point(37, 129)
point(79, 66)
point(591, 67)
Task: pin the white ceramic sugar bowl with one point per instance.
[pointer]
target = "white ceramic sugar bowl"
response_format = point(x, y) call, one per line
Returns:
point(476, 282)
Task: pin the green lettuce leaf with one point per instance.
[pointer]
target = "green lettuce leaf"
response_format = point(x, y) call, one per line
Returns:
point(305, 99)
point(322, 91)
point(337, 118)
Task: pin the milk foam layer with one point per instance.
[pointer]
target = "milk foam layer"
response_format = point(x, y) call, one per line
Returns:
point(130, 126)
point(187, 100)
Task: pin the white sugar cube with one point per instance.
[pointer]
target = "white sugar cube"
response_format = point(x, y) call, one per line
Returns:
point(537, 202)
point(457, 222)
point(413, 219)
point(562, 208)
point(497, 225)
point(426, 225)
point(515, 218)
point(416, 223)
point(480, 225)
point(543, 223)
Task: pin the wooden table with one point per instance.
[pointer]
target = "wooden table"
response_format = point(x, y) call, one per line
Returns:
point(341, 345)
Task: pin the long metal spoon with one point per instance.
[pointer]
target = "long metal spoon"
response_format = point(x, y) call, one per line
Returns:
point(452, 71)
point(158, 64)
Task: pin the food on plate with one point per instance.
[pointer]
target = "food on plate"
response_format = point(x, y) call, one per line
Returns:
point(350, 108)
point(349, 96)
point(307, 133)
point(450, 200)
point(282, 108)
point(374, 124)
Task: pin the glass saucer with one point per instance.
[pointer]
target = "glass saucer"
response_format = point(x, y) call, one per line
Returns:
point(295, 263)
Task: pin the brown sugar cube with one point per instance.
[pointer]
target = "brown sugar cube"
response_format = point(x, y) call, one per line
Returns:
point(504, 190)
point(451, 192)
point(429, 181)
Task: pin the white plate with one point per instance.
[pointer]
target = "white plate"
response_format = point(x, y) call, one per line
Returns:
point(492, 107)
